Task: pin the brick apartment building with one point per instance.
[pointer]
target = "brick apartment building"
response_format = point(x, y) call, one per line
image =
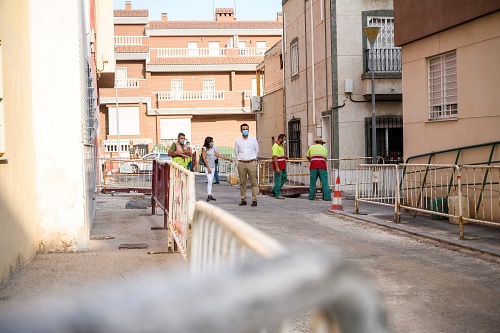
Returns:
point(195, 77)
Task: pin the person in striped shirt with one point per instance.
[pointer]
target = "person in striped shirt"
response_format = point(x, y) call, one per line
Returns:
point(317, 155)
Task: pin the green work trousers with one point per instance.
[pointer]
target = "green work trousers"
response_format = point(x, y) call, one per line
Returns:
point(323, 177)
point(279, 181)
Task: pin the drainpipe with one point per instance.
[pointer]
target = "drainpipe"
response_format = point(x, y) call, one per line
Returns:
point(312, 66)
point(307, 79)
point(323, 18)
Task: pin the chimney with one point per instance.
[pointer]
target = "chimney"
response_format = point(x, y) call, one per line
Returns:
point(224, 14)
point(279, 17)
point(164, 17)
point(128, 5)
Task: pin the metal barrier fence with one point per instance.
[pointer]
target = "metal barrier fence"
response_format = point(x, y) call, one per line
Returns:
point(220, 239)
point(182, 200)
point(173, 191)
point(298, 174)
point(460, 193)
point(256, 297)
point(121, 175)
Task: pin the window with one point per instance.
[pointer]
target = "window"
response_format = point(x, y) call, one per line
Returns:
point(387, 57)
point(192, 49)
point(213, 49)
point(443, 99)
point(176, 88)
point(2, 121)
point(389, 138)
point(242, 46)
point(261, 48)
point(121, 77)
point(294, 57)
point(294, 138)
point(129, 118)
point(208, 88)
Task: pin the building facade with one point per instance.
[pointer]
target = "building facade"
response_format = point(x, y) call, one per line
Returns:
point(451, 76)
point(194, 77)
point(48, 122)
point(269, 110)
point(327, 78)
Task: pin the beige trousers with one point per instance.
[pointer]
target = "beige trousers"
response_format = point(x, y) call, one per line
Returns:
point(250, 170)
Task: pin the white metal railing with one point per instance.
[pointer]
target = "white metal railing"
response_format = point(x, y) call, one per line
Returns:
point(127, 83)
point(480, 194)
point(460, 193)
point(298, 172)
point(252, 51)
point(125, 175)
point(190, 95)
point(182, 200)
point(257, 297)
point(187, 52)
point(128, 40)
point(249, 93)
point(219, 239)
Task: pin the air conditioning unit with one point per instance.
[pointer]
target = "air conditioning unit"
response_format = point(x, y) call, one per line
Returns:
point(256, 104)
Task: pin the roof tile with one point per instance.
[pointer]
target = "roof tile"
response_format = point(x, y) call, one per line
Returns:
point(206, 61)
point(156, 25)
point(131, 13)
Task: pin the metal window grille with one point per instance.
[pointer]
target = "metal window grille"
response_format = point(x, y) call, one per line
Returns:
point(389, 138)
point(443, 97)
point(387, 57)
point(294, 58)
point(294, 138)
point(90, 118)
point(176, 87)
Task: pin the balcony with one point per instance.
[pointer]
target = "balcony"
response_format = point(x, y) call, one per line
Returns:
point(185, 52)
point(128, 40)
point(249, 93)
point(252, 51)
point(387, 68)
point(190, 95)
point(128, 83)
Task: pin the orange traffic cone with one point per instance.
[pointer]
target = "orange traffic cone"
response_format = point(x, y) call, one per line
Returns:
point(337, 196)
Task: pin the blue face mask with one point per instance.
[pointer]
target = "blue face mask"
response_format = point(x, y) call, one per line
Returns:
point(245, 132)
point(211, 144)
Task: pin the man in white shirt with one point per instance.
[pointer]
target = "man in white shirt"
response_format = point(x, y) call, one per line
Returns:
point(246, 150)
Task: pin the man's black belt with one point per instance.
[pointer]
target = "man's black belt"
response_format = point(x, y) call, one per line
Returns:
point(245, 161)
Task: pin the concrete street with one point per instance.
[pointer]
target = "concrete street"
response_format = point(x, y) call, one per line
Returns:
point(426, 285)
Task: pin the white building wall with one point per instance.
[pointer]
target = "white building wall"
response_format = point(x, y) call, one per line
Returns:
point(56, 37)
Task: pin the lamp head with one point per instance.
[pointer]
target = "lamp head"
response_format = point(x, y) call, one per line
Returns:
point(371, 33)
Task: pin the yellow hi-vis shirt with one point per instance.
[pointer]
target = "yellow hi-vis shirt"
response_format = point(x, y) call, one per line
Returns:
point(318, 155)
point(279, 152)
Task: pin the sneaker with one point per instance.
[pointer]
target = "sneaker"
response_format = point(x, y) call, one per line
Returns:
point(212, 198)
point(280, 197)
point(254, 203)
point(243, 203)
point(216, 183)
point(208, 199)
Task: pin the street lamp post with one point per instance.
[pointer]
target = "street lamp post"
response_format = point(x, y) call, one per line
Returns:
point(371, 33)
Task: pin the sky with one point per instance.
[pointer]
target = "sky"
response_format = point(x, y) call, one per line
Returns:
point(186, 10)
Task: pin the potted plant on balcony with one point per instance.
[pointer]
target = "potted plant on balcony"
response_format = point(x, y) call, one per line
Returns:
point(395, 155)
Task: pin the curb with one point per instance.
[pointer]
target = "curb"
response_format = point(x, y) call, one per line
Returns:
point(447, 240)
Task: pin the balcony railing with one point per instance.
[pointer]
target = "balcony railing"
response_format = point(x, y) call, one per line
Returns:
point(128, 40)
point(127, 83)
point(185, 52)
point(249, 93)
point(253, 51)
point(190, 95)
point(385, 60)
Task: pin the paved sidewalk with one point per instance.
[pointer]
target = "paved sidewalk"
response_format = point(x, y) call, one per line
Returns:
point(478, 237)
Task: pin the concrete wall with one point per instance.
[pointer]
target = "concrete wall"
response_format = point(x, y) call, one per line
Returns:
point(270, 122)
point(477, 44)
point(57, 98)
point(18, 224)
